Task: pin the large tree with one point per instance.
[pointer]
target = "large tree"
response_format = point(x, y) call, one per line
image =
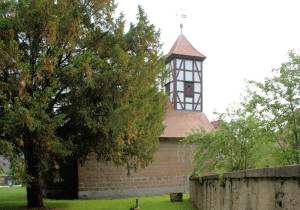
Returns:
point(73, 81)
point(263, 130)
point(276, 103)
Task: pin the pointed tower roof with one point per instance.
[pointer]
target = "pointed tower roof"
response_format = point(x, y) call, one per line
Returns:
point(182, 48)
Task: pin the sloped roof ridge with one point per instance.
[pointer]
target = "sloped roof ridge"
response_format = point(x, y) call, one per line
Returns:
point(176, 44)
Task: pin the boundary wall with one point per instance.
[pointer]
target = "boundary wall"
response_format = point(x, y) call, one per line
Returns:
point(266, 188)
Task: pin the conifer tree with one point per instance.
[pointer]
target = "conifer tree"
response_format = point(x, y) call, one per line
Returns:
point(72, 82)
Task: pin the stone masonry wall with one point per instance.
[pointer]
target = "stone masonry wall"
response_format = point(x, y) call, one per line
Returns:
point(2, 179)
point(168, 173)
point(268, 188)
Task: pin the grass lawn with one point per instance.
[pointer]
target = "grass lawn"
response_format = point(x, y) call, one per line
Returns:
point(15, 198)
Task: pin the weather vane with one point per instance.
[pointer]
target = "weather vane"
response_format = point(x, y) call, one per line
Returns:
point(182, 16)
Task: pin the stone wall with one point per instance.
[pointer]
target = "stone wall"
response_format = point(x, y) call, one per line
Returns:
point(6, 179)
point(168, 173)
point(4, 163)
point(268, 188)
point(2, 179)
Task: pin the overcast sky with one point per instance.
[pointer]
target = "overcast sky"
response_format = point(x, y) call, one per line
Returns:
point(242, 39)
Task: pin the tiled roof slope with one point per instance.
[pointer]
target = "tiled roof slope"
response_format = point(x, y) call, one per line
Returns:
point(178, 124)
point(183, 47)
point(215, 124)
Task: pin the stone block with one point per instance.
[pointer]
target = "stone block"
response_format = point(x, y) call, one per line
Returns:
point(176, 197)
point(8, 180)
point(2, 179)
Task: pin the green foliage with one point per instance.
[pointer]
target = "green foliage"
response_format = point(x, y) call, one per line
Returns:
point(262, 131)
point(17, 170)
point(195, 173)
point(229, 148)
point(73, 82)
point(2, 171)
point(222, 180)
point(275, 104)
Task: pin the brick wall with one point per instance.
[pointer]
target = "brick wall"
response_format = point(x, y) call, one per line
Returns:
point(268, 188)
point(168, 173)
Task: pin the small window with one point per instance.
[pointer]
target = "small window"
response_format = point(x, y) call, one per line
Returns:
point(188, 89)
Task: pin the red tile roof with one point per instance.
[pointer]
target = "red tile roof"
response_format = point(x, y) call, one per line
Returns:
point(178, 124)
point(215, 124)
point(183, 47)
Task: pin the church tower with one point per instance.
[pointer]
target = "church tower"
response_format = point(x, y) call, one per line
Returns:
point(184, 84)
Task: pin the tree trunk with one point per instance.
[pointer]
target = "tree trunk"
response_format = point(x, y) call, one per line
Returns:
point(34, 194)
point(34, 189)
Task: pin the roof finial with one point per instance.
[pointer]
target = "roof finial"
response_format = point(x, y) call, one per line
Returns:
point(181, 24)
point(181, 15)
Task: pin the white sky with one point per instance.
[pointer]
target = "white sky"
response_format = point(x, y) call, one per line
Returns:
point(242, 39)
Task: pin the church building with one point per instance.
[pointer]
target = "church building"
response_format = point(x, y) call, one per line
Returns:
point(170, 170)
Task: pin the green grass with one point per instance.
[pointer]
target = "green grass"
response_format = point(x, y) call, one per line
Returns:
point(15, 198)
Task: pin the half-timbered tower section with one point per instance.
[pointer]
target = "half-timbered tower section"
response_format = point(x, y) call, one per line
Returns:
point(184, 84)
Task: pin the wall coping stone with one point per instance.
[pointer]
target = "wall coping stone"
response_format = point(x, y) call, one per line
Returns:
point(291, 171)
